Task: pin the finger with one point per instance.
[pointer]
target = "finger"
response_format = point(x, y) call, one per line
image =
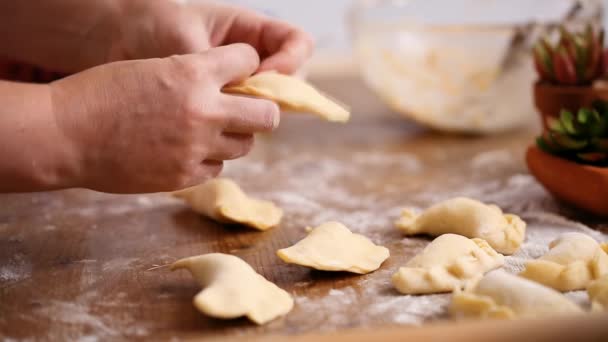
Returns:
point(230, 146)
point(247, 115)
point(206, 170)
point(232, 63)
point(288, 48)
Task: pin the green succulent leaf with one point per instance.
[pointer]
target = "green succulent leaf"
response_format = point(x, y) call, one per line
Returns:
point(555, 125)
point(566, 119)
point(566, 142)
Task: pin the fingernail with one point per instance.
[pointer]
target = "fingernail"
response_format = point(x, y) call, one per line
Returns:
point(276, 120)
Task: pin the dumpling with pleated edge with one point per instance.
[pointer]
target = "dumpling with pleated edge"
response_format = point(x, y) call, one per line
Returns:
point(572, 262)
point(447, 263)
point(470, 218)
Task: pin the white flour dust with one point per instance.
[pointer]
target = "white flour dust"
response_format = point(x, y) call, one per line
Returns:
point(313, 189)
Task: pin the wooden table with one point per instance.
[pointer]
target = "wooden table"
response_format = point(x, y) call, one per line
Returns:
point(80, 264)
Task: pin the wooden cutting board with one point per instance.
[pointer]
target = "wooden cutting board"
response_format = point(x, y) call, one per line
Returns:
point(79, 264)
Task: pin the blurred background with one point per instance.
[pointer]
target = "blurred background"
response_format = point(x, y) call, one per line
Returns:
point(328, 20)
point(457, 66)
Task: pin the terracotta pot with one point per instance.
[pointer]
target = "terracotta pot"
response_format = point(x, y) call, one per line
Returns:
point(583, 186)
point(550, 99)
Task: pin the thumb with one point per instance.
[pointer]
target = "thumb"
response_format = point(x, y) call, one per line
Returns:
point(232, 63)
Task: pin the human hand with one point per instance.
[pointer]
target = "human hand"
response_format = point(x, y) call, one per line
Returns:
point(160, 28)
point(160, 124)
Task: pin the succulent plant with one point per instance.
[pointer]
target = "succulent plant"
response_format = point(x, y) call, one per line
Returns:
point(576, 58)
point(580, 136)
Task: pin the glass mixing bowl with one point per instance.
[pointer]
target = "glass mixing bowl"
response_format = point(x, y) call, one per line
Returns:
point(459, 65)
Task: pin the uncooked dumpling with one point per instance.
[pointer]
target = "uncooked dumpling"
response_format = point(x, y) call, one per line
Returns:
point(447, 263)
point(468, 217)
point(332, 247)
point(573, 260)
point(598, 294)
point(222, 200)
point(231, 289)
point(292, 94)
point(503, 295)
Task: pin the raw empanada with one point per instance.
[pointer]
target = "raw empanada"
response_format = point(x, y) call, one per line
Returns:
point(503, 295)
point(598, 294)
point(231, 289)
point(447, 263)
point(292, 94)
point(332, 247)
point(468, 217)
point(222, 200)
point(573, 260)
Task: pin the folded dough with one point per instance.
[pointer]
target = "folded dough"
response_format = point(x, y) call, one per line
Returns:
point(503, 295)
point(447, 263)
point(332, 247)
point(468, 217)
point(573, 260)
point(598, 294)
point(222, 200)
point(231, 289)
point(292, 94)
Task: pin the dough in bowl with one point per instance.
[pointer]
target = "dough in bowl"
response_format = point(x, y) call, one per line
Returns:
point(292, 94)
point(231, 289)
point(446, 264)
point(470, 218)
point(572, 262)
point(333, 247)
point(503, 295)
point(222, 200)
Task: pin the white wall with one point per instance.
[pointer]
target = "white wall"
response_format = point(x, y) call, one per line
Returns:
point(324, 19)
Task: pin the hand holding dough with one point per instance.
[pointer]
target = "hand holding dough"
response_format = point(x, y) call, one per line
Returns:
point(503, 295)
point(231, 289)
point(573, 260)
point(598, 294)
point(468, 217)
point(447, 263)
point(222, 200)
point(332, 247)
point(292, 94)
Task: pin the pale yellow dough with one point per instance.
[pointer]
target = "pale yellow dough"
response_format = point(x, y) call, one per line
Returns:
point(572, 262)
point(503, 295)
point(292, 94)
point(222, 200)
point(468, 217)
point(333, 247)
point(598, 294)
point(447, 263)
point(231, 289)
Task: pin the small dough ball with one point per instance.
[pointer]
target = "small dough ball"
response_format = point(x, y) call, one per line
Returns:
point(292, 94)
point(470, 218)
point(333, 247)
point(598, 294)
point(503, 295)
point(447, 263)
point(222, 200)
point(572, 262)
point(231, 289)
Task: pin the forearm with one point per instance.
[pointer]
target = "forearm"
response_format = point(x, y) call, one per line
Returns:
point(59, 35)
point(34, 155)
